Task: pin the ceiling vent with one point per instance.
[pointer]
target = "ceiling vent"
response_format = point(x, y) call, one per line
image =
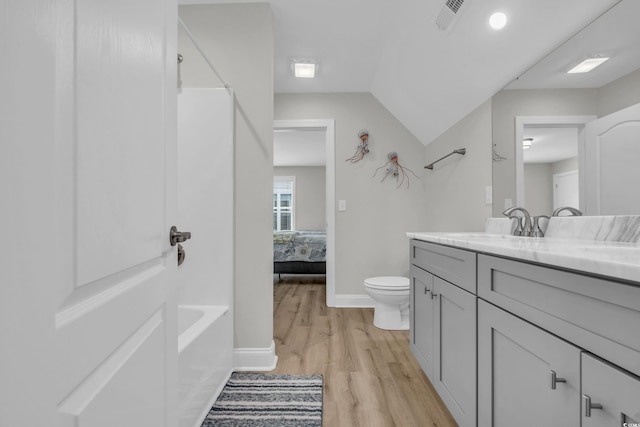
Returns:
point(449, 14)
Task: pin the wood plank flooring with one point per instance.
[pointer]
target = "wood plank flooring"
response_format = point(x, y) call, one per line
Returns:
point(371, 378)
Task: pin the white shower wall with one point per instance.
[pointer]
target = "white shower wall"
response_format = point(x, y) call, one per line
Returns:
point(205, 195)
point(205, 279)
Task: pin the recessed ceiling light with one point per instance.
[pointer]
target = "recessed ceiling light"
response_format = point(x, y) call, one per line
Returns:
point(498, 20)
point(304, 68)
point(587, 65)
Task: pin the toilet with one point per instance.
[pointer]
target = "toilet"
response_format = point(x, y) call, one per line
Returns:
point(391, 297)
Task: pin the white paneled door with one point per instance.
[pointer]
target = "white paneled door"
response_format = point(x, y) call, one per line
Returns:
point(88, 180)
point(612, 150)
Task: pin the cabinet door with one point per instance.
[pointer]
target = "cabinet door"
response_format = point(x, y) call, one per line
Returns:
point(455, 350)
point(422, 319)
point(612, 394)
point(516, 362)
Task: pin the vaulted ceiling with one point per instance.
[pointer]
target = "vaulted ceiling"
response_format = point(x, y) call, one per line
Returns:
point(427, 77)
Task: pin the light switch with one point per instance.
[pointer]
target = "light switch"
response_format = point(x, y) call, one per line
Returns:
point(488, 195)
point(342, 205)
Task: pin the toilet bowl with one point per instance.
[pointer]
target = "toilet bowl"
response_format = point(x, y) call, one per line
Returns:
point(391, 301)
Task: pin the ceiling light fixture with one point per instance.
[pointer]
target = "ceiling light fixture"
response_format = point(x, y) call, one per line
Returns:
point(304, 68)
point(498, 20)
point(587, 65)
point(526, 143)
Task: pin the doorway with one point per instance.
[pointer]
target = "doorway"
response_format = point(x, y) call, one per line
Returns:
point(325, 126)
point(522, 123)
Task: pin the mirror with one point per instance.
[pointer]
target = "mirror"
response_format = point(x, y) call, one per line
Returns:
point(548, 104)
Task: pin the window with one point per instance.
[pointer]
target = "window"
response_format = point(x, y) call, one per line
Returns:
point(283, 202)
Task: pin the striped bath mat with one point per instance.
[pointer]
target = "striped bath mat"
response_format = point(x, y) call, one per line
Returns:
point(268, 400)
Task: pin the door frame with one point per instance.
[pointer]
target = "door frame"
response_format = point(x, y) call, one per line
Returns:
point(328, 126)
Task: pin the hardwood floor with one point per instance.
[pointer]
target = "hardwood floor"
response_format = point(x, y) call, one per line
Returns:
point(370, 376)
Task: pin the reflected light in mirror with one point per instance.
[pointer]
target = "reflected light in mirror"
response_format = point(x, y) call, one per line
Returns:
point(587, 65)
point(526, 143)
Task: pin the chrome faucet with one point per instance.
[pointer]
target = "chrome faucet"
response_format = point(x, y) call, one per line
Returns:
point(536, 230)
point(521, 229)
point(572, 211)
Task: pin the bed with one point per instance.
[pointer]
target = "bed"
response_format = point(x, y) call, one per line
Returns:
point(299, 252)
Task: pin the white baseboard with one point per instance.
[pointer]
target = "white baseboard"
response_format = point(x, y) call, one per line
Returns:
point(354, 301)
point(255, 359)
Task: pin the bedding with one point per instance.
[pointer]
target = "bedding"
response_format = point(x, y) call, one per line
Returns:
point(299, 252)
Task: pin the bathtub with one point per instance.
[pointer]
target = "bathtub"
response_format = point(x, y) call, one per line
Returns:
point(205, 343)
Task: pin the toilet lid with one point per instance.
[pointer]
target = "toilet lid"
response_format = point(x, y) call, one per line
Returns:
point(388, 282)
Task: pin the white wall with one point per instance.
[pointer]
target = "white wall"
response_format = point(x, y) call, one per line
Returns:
point(619, 94)
point(455, 189)
point(538, 188)
point(241, 49)
point(565, 165)
point(309, 195)
point(370, 235)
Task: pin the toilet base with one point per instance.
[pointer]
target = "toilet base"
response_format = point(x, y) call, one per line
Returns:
point(391, 317)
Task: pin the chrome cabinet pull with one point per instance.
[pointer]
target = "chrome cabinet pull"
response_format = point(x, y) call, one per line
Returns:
point(555, 379)
point(588, 406)
point(176, 236)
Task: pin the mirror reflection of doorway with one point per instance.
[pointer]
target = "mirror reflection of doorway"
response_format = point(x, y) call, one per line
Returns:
point(550, 158)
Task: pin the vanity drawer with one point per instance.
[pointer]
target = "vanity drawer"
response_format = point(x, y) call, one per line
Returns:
point(601, 316)
point(456, 266)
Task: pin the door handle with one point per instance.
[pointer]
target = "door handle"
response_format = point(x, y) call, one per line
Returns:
point(181, 254)
point(176, 236)
point(588, 406)
point(555, 379)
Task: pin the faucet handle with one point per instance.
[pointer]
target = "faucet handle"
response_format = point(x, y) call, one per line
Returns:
point(536, 230)
point(572, 211)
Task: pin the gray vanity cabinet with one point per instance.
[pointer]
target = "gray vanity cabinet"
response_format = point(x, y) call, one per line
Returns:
point(610, 396)
point(554, 347)
point(443, 324)
point(526, 376)
point(422, 315)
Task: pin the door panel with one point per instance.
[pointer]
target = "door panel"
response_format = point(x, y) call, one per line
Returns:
point(615, 390)
point(119, 135)
point(566, 189)
point(116, 343)
point(515, 360)
point(116, 383)
point(455, 355)
point(422, 318)
point(88, 308)
point(611, 149)
point(98, 325)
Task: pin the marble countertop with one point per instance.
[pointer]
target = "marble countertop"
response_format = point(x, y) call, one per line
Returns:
point(619, 260)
